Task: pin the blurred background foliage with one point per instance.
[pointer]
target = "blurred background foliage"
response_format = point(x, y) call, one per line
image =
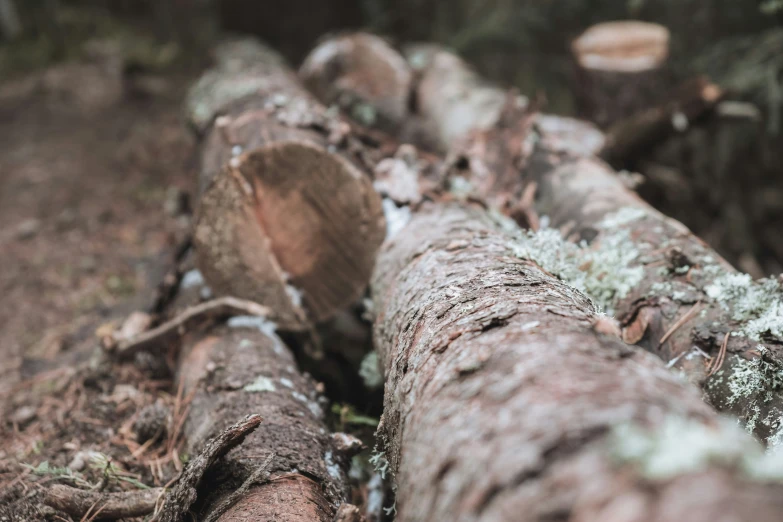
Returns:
point(517, 42)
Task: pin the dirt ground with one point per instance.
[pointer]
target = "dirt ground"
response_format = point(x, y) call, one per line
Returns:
point(93, 181)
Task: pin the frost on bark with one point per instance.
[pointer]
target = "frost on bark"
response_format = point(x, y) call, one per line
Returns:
point(506, 398)
point(287, 216)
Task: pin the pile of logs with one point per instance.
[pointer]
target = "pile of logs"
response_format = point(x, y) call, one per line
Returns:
point(552, 347)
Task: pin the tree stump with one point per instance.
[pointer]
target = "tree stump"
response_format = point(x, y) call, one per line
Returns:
point(620, 69)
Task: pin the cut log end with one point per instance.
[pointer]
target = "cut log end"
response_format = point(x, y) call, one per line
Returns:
point(292, 226)
point(623, 46)
point(362, 74)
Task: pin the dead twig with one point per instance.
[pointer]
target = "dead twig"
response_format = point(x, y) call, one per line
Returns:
point(681, 321)
point(82, 504)
point(211, 310)
point(718, 361)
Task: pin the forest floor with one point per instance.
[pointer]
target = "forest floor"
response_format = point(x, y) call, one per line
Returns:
point(92, 205)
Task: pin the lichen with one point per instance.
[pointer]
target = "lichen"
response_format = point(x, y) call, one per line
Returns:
point(605, 271)
point(756, 305)
point(755, 384)
point(622, 217)
point(753, 377)
point(261, 384)
point(680, 446)
point(396, 217)
point(380, 463)
point(370, 372)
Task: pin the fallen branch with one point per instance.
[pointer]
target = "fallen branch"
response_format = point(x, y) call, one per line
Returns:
point(197, 315)
point(112, 506)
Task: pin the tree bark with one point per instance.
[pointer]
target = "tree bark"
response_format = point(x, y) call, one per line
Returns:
point(729, 343)
point(505, 401)
point(287, 216)
point(240, 368)
point(620, 69)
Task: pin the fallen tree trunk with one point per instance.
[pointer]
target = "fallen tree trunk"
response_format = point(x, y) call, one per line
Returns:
point(286, 216)
point(506, 398)
point(620, 69)
point(672, 294)
point(241, 368)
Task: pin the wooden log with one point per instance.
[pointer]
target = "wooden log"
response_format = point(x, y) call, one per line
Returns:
point(508, 398)
point(353, 69)
point(239, 368)
point(291, 467)
point(672, 294)
point(620, 69)
point(286, 215)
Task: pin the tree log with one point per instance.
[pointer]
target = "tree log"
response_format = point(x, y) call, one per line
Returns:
point(351, 69)
point(287, 216)
point(620, 69)
point(241, 368)
point(506, 400)
point(671, 293)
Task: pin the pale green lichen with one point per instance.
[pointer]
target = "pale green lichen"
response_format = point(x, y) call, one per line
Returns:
point(753, 377)
point(261, 384)
point(370, 372)
point(757, 305)
point(605, 271)
point(680, 446)
point(622, 217)
point(380, 463)
point(755, 384)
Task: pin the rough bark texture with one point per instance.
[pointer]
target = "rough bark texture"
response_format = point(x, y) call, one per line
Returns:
point(680, 279)
point(243, 368)
point(620, 69)
point(287, 216)
point(503, 399)
point(648, 270)
point(353, 69)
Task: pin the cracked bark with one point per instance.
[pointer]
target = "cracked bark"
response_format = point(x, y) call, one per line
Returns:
point(501, 395)
point(287, 216)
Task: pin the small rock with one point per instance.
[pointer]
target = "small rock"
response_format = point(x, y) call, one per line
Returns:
point(28, 228)
point(82, 458)
point(152, 422)
point(136, 323)
point(23, 415)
